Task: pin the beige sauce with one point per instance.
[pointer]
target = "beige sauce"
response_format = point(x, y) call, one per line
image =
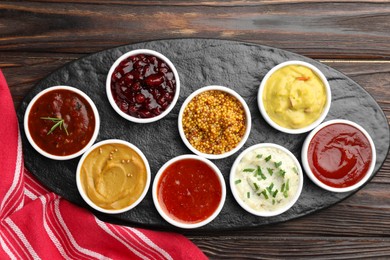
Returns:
point(294, 96)
point(113, 176)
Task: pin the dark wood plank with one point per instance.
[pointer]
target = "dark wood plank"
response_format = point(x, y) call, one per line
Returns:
point(319, 29)
point(294, 247)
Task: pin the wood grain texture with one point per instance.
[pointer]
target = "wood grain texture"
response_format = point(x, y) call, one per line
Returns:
point(38, 37)
point(312, 28)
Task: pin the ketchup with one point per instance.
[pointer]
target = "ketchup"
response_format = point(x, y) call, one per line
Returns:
point(339, 155)
point(189, 191)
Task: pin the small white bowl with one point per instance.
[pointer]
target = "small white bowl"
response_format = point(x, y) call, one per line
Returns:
point(298, 130)
point(85, 196)
point(247, 115)
point(233, 184)
point(112, 101)
point(58, 157)
point(305, 162)
point(168, 218)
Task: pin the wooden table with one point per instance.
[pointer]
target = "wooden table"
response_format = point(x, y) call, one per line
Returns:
point(352, 37)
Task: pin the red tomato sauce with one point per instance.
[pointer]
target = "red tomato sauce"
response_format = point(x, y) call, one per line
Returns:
point(339, 155)
point(189, 191)
point(79, 121)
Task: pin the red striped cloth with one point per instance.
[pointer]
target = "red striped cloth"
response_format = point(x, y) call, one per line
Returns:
point(38, 224)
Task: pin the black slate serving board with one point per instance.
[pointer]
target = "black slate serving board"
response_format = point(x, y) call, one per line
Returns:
point(201, 62)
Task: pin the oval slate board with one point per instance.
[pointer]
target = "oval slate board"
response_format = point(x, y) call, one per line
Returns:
point(201, 62)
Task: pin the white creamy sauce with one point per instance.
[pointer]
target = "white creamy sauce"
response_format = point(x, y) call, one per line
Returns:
point(266, 179)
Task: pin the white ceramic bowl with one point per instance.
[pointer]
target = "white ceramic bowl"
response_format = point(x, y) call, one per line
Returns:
point(305, 162)
point(173, 221)
point(109, 92)
point(85, 196)
point(242, 203)
point(247, 114)
point(298, 130)
point(58, 157)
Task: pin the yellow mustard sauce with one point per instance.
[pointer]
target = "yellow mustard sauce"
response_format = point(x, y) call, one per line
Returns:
point(294, 96)
point(113, 176)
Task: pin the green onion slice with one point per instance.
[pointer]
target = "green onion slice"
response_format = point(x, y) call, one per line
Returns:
point(277, 164)
point(264, 192)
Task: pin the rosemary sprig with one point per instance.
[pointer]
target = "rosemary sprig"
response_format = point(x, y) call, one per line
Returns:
point(58, 122)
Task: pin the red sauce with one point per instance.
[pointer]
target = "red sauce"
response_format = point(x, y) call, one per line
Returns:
point(339, 155)
point(189, 191)
point(143, 86)
point(79, 121)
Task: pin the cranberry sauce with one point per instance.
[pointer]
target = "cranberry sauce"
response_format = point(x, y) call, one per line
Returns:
point(143, 86)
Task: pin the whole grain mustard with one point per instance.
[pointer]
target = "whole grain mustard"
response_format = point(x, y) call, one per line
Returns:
point(214, 122)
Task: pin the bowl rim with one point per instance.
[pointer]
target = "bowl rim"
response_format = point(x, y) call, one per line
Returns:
point(242, 203)
point(85, 196)
point(176, 222)
point(319, 183)
point(308, 127)
point(109, 92)
point(59, 157)
point(247, 114)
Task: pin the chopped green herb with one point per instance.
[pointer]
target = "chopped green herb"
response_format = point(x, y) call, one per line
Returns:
point(274, 194)
point(283, 186)
point(277, 164)
point(256, 186)
point(295, 170)
point(269, 188)
point(260, 173)
point(268, 158)
point(270, 171)
point(249, 170)
point(58, 122)
point(273, 202)
point(248, 194)
point(237, 181)
point(264, 192)
point(285, 193)
point(282, 173)
point(259, 156)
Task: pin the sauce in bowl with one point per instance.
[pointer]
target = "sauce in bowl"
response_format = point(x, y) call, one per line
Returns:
point(142, 86)
point(62, 122)
point(266, 179)
point(113, 176)
point(214, 122)
point(188, 192)
point(339, 155)
point(294, 97)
